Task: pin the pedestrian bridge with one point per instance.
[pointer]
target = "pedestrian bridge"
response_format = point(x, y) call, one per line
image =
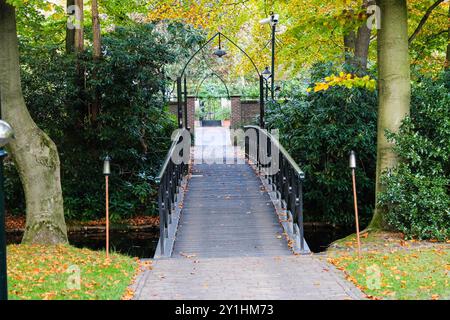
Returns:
point(226, 199)
point(232, 228)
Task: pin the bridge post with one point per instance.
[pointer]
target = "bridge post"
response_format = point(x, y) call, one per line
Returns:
point(185, 121)
point(179, 103)
point(162, 223)
point(261, 101)
point(299, 210)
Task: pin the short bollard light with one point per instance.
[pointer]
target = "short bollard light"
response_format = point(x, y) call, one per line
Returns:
point(106, 173)
point(352, 165)
point(6, 135)
point(107, 166)
point(352, 161)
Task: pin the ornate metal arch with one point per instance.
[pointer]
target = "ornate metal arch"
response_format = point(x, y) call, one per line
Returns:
point(209, 41)
point(206, 77)
point(182, 92)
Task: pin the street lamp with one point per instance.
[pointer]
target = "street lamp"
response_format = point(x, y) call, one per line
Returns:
point(106, 173)
point(220, 52)
point(6, 135)
point(352, 165)
point(273, 21)
point(266, 74)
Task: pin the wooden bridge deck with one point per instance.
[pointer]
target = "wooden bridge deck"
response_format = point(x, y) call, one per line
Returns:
point(227, 212)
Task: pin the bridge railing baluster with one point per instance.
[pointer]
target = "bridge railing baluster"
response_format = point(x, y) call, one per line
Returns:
point(300, 214)
point(287, 181)
point(162, 225)
point(169, 181)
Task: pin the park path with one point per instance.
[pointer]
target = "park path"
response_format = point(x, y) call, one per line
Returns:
point(305, 277)
point(230, 244)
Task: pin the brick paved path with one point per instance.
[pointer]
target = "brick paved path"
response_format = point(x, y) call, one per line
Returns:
point(246, 278)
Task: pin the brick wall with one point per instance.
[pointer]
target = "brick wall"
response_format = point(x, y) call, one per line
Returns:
point(249, 111)
point(236, 113)
point(242, 112)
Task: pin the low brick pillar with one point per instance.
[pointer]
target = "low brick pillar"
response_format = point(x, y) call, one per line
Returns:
point(236, 113)
point(249, 111)
point(191, 113)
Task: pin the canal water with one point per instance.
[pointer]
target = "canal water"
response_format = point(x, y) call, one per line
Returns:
point(142, 244)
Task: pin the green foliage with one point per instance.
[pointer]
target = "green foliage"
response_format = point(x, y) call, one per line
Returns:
point(210, 94)
point(212, 109)
point(133, 125)
point(319, 130)
point(417, 194)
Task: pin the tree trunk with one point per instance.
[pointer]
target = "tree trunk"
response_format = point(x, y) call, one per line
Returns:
point(394, 87)
point(97, 52)
point(349, 46)
point(447, 58)
point(79, 33)
point(96, 30)
point(362, 47)
point(70, 32)
point(34, 153)
point(81, 77)
point(356, 44)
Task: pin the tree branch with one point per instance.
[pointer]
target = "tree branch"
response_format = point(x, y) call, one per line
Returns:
point(424, 20)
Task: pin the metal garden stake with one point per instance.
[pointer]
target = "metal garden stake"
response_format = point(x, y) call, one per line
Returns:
point(107, 172)
point(352, 164)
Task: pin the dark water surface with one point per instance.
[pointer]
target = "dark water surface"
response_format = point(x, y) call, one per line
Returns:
point(142, 244)
point(320, 237)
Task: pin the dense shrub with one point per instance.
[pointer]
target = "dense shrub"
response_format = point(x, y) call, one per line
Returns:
point(417, 192)
point(133, 125)
point(319, 130)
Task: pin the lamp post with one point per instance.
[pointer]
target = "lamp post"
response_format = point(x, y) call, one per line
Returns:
point(273, 21)
point(352, 165)
point(107, 172)
point(266, 75)
point(6, 134)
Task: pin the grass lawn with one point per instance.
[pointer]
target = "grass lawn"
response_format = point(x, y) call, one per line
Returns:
point(51, 272)
point(391, 268)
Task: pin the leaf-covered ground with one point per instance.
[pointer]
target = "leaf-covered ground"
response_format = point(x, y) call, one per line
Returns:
point(18, 222)
point(52, 272)
point(392, 268)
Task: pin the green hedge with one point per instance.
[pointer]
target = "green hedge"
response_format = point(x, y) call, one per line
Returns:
point(319, 130)
point(133, 126)
point(417, 191)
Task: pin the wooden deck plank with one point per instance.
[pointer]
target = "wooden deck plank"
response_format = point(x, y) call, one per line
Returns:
point(226, 213)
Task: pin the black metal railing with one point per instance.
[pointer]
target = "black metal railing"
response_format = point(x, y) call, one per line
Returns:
point(169, 180)
point(280, 171)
